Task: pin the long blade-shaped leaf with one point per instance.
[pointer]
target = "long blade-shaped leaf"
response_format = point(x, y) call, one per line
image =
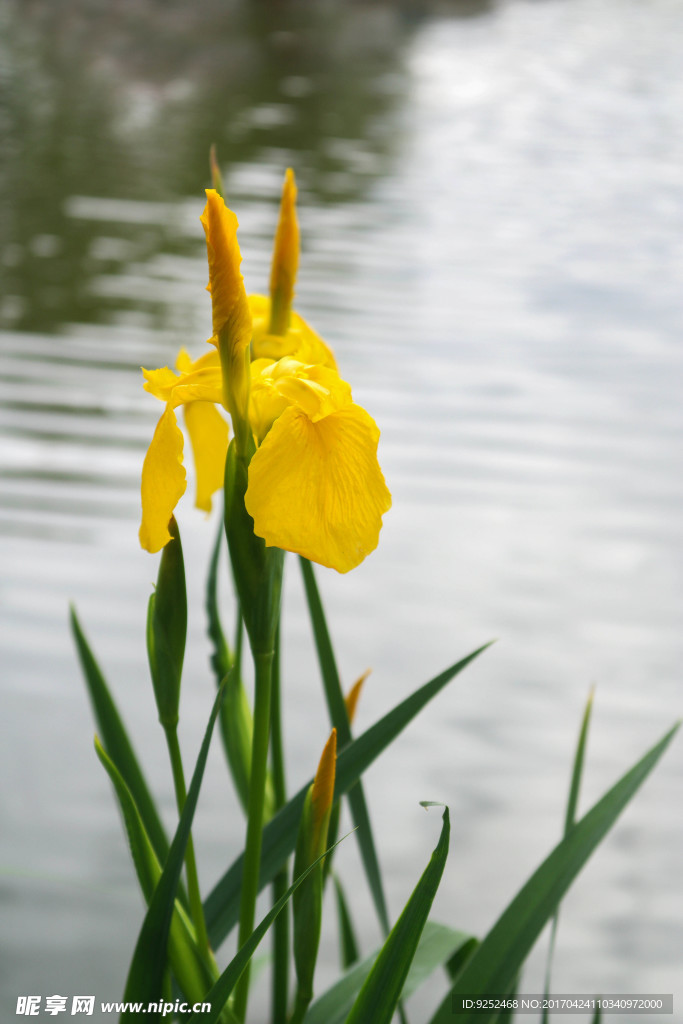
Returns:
point(191, 972)
point(495, 964)
point(146, 973)
point(570, 818)
point(220, 656)
point(340, 721)
point(115, 740)
point(279, 835)
point(222, 989)
point(437, 945)
point(347, 937)
point(381, 992)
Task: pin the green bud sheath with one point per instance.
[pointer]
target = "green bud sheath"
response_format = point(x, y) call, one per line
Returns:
point(257, 569)
point(167, 629)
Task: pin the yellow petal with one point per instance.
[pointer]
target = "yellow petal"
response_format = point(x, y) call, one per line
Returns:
point(163, 481)
point(160, 383)
point(209, 438)
point(300, 342)
point(285, 258)
point(317, 489)
point(315, 390)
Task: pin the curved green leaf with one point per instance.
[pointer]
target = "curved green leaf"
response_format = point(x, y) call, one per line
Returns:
point(340, 721)
point(382, 989)
point(191, 972)
point(221, 991)
point(495, 964)
point(279, 835)
point(115, 741)
point(437, 945)
point(569, 820)
point(145, 977)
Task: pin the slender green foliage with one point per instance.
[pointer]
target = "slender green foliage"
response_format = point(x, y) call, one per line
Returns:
point(279, 835)
point(146, 973)
point(495, 964)
point(570, 818)
point(116, 742)
point(340, 721)
point(379, 996)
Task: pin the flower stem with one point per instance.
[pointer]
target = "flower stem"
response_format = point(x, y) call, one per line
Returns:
point(281, 880)
point(196, 909)
point(263, 664)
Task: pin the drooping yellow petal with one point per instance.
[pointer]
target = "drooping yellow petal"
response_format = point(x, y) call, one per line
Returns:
point(351, 698)
point(231, 317)
point(209, 438)
point(200, 380)
point(317, 488)
point(285, 259)
point(163, 482)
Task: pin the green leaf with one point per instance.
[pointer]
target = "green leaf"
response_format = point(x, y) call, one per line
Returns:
point(257, 568)
point(220, 656)
point(570, 818)
point(437, 945)
point(279, 835)
point(340, 720)
point(497, 961)
point(347, 938)
point(456, 963)
point(116, 743)
point(190, 970)
point(146, 974)
point(221, 991)
point(382, 989)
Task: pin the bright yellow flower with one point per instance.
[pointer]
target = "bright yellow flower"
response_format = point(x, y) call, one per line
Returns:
point(314, 484)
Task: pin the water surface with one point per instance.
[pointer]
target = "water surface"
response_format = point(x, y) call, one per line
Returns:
point(492, 212)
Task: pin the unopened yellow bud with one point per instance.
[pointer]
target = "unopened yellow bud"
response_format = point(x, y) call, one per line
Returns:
point(322, 795)
point(231, 316)
point(307, 899)
point(285, 259)
point(351, 698)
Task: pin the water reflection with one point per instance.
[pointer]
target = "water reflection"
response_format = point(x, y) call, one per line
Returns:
point(101, 105)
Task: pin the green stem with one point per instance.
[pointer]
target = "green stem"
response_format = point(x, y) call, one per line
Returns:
point(263, 664)
point(301, 1004)
point(281, 880)
point(196, 909)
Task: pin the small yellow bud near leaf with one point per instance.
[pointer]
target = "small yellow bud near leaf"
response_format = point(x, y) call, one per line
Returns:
point(307, 900)
point(285, 259)
point(351, 699)
point(322, 795)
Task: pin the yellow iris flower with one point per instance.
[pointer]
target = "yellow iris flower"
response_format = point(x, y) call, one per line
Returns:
point(314, 484)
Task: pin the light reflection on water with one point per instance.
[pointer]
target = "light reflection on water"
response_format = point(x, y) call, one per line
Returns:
point(491, 211)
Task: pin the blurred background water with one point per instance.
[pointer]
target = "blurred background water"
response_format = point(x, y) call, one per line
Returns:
point(491, 203)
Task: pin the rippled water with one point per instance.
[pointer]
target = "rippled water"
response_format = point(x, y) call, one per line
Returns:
point(492, 217)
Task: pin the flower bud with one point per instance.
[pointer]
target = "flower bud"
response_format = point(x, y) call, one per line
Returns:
point(285, 259)
point(167, 629)
point(307, 900)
